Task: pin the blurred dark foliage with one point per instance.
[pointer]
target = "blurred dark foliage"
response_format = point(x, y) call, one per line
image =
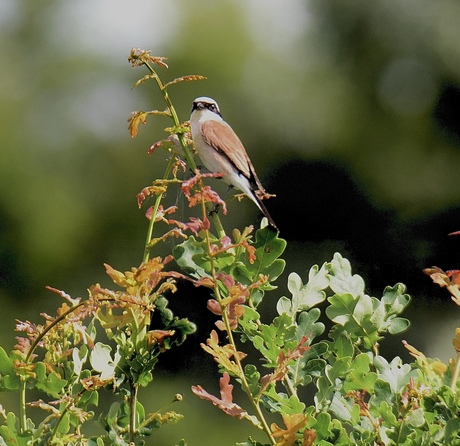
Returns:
point(447, 112)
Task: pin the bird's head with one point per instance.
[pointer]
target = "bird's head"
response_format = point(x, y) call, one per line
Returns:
point(204, 103)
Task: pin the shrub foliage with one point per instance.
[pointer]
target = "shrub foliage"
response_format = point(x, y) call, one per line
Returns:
point(107, 341)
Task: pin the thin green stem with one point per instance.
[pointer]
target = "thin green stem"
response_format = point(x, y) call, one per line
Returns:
point(50, 327)
point(132, 411)
point(188, 155)
point(58, 422)
point(453, 384)
point(168, 170)
point(22, 404)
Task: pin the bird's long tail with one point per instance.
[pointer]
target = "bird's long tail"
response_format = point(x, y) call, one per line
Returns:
point(262, 207)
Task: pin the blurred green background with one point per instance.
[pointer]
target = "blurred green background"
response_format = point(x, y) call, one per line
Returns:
point(350, 111)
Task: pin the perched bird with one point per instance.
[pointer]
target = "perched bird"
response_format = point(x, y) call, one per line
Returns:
point(221, 151)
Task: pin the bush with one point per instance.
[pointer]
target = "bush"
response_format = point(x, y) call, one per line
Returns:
point(107, 340)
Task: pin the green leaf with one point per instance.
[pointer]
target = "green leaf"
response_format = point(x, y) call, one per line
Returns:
point(360, 376)
point(416, 418)
point(79, 357)
point(284, 305)
point(268, 249)
point(9, 380)
point(308, 325)
point(395, 373)
point(311, 365)
point(64, 424)
point(305, 296)
point(102, 361)
point(452, 430)
point(281, 403)
point(355, 315)
point(10, 435)
point(342, 408)
point(341, 310)
point(341, 280)
point(145, 378)
point(343, 345)
point(322, 426)
point(50, 383)
point(6, 363)
point(398, 325)
point(188, 255)
point(384, 410)
point(112, 414)
point(394, 298)
point(382, 394)
point(253, 378)
point(274, 337)
point(248, 323)
point(339, 369)
point(89, 398)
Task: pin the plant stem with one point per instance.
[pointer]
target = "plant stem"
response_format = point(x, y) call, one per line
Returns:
point(132, 410)
point(231, 340)
point(155, 210)
point(244, 382)
point(22, 405)
point(22, 390)
point(50, 327)
point(188, 155)
point(453, 384)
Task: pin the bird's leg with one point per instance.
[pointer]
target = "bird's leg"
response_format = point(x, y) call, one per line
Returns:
point(215, 208)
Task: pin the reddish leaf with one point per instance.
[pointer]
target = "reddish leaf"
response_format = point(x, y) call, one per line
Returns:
point(288, 436)
point(137, 118)
point(227, 280)
point(195, 224)
point(214, 307)
point(166, 144)
point(309, 436)
point(205, 281)
point(154, 146)
point(191, 77)
point(118, 277)
point(454, 275)
point(282, 363)
point(224, 354)
point(438, 276)
point(149, 190)
point(225, 402)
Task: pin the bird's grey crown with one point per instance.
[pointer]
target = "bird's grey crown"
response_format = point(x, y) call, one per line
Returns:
point(204, 102)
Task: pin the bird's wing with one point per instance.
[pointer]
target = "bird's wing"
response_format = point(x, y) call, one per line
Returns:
point(222, 138)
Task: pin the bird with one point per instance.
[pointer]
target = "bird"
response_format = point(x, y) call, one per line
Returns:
point(221, 151)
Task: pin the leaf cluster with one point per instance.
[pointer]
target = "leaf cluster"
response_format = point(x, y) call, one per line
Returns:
point(65, 362)
point(359, 397)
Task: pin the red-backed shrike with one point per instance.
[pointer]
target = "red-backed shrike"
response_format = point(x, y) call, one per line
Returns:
point(221, 151)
